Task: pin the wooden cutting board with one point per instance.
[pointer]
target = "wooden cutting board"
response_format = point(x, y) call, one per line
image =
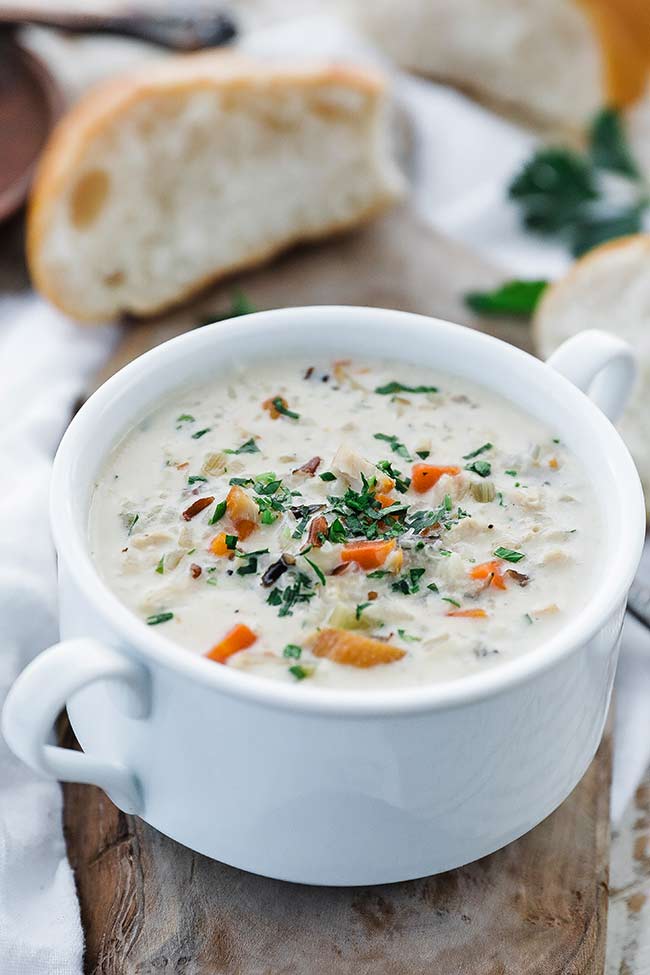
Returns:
point(152, 907)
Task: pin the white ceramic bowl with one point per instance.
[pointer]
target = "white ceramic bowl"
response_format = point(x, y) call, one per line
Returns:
point(316, 785)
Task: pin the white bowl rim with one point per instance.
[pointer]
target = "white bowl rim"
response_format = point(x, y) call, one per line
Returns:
point(155, 647)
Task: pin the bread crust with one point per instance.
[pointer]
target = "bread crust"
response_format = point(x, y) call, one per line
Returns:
point(223, 70)
point(561, 293)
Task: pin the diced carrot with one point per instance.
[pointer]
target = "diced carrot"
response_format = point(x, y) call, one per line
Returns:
point(243, 511)
point(384, 500)
point(239, 638)
point(473, 614)
point(553, 464)
point(218, 546)
point(352, 649)
point(487, 569)
point(424, 476)
point(269, 404)
point(368, 554)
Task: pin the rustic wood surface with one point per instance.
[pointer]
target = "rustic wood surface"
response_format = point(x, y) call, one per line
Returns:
point(149, 905)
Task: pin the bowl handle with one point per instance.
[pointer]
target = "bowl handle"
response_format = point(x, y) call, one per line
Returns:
point(40, 693)
point(601, 365)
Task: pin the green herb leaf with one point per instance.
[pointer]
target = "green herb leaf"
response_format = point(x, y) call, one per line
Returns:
point(132, 523)
point(160, 568)
point(275, 597)
point(508, 554)
point(408, 637)
point(511, 473)
point(196, 478)
point(395, 444)
point(378, 574)
point(299, 672)
point(327, 476)
point(479, 450)
point(292, 650)
point(317, 570)
point(433, 587)
point(605, 225)
point(219, 512)
point(240, 481)
point(159, 618)
point(185, 418)
point(552, 189)
point(517, 298)
point(337, 532)
point(200, 433)
point(250, 447)
point(359, 610)
point(481, 467)
point(608, 145)
point(284, 410)
point(231, 542)
point(390, 388)
point(402, 481)
point(423, 453)
point(448, 599)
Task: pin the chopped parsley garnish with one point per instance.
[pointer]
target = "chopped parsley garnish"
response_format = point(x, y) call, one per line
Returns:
point(378, 574)
point(185, 418)
point(250, 566)
point(528, 618)
point(337, 532)
point(200, 433)
point(409, 583)
point(132, 523)
point(500, 497)
point(481, 467)
point(231, 542)
point(454, 602)
point(195, 478)
point(508, 554)
point(423, 454)
point(299, 672)
point(298, 591)
point(327, 476)
point(390, 388)
point(278, 403)
point(250, 447)
point(511, 473)
point(317, 570)
point(160, 568)
point(219, 512)
point(159, 618)
point(408, 637)
point(362, 515)
point(402, 481)
point(444, 552)
point(293, 651)
point(433, 587)
point(516, 298)
point(359, 610)
point(240, 481)
point(266, 487)
point(395, 444)
point(479, 450)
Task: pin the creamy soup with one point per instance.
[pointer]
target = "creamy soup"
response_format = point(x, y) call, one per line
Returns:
point(349, 524)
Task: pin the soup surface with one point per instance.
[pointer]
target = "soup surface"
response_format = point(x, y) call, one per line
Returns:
point(346, 524)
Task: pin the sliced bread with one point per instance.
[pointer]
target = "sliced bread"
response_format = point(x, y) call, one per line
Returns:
point(610, 289)
point(187, 170)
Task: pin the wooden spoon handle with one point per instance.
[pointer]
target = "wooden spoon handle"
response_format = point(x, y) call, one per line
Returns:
point(189, 28)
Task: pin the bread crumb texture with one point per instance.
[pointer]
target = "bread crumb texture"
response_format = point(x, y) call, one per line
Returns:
point(156, 185)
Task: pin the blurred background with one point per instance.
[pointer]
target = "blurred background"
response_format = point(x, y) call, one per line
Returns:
point(506, 141)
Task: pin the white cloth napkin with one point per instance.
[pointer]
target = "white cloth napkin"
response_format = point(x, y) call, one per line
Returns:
point(463, 158)
point(44, 363)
